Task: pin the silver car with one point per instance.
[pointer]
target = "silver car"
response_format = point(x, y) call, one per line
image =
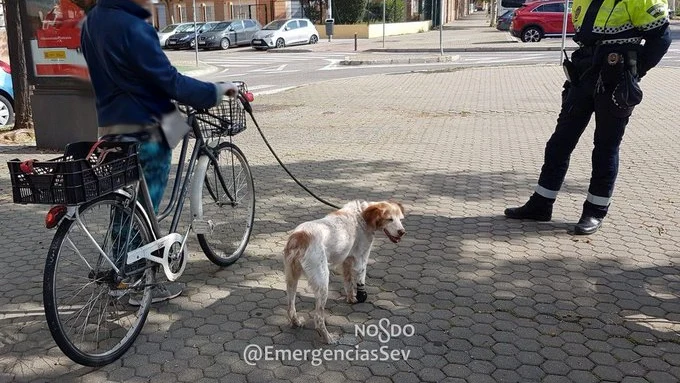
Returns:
point(171, 30)
point(281, 33)
point(229, 33)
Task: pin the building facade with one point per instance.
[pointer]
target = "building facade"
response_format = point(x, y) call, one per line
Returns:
point(176, 11)
point(264, 11)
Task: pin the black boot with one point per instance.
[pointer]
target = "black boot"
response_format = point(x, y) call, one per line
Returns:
point(538, 208)
point(591, 219)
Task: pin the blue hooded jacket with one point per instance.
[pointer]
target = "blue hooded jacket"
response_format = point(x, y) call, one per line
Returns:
point(132, 77)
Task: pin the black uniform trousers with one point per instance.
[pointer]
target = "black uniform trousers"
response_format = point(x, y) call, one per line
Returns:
point(579, 102)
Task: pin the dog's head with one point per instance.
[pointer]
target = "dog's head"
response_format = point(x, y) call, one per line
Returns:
point(385, 216)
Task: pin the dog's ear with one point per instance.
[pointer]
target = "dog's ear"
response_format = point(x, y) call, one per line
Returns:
point(401, 207)
point(363, 204)
point(374, 216)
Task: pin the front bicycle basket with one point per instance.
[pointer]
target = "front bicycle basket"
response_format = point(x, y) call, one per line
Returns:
point(73, 179)
point(228, 118)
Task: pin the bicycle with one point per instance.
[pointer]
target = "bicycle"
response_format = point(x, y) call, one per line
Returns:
point(108, 245)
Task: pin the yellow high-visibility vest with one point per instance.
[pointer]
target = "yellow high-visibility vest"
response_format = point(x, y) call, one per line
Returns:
point(622, 21)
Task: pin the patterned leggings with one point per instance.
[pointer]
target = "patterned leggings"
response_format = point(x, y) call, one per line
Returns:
point(155, 158)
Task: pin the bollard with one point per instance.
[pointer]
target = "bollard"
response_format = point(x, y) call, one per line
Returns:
point(355, 41)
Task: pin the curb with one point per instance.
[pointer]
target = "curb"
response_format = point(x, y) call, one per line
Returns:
point(286, 50)
point(203, 71)
point(471, 49)
point(401, 60)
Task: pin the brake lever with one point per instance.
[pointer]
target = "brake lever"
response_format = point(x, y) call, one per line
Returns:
point(245, 98)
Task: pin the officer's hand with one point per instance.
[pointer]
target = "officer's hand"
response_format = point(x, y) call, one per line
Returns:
point(228, 88)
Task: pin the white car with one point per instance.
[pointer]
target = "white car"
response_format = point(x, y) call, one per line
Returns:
point(281, 33)
point(171, 30)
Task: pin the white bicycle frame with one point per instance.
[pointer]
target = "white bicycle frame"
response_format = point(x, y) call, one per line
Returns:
point(172, 244)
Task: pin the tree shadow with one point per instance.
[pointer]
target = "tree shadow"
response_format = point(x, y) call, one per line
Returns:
point(467, 283)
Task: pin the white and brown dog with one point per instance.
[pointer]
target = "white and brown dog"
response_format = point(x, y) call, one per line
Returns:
point(344, 237)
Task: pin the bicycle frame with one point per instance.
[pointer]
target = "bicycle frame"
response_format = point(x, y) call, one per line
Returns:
point(177, 198)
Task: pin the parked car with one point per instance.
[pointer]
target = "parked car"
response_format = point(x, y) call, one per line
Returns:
point(171, 30)
point(538, 19)
point(229, 33)
point(6, 95)
point(281, 33)
point(504, 20)
point(186, 38)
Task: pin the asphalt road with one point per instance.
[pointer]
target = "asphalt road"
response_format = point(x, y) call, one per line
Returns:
point(268, 72)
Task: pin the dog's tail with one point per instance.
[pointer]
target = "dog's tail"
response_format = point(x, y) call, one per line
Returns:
point(295, 249)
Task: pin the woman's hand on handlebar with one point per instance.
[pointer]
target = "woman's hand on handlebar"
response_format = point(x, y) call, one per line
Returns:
point(228, 88)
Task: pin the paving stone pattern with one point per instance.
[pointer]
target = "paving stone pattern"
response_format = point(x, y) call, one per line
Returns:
point(490, 300)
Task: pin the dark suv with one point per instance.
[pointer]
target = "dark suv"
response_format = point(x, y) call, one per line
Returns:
point(538, 19)
point(228, 33)
point(184, 38)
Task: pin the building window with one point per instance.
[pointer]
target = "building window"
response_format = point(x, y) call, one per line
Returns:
point(208, 11)
point(181, 13)
point(2, 15)
point(294, 9)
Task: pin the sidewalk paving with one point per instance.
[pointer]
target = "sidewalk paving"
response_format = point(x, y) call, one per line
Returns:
point(490, 299)
point(470, 34)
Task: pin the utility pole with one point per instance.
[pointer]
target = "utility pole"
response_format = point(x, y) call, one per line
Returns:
point(195, 34)
point(564, 28)
point(441, 27)
point(384, 11)
point(330, 17)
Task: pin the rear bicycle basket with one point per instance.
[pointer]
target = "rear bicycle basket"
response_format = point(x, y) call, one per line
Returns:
point(228, 118)
point(72, 179)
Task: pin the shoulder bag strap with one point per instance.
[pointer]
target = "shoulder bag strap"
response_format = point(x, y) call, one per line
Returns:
point(585, 34)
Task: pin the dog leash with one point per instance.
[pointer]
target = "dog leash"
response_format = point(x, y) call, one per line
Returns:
point(249, 109)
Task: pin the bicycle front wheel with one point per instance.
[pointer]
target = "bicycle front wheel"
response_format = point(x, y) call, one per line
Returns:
point(228, 206)
point(87, 304)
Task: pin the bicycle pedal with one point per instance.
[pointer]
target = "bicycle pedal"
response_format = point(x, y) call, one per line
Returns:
point(202, 227)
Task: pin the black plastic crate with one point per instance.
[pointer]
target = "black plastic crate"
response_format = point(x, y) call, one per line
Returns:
point(72, 179)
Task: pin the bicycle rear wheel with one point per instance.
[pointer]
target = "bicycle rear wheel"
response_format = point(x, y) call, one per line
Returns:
point(86, 301)
point(232, 210)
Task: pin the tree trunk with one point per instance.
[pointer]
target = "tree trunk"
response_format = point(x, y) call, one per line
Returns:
point(22, 100)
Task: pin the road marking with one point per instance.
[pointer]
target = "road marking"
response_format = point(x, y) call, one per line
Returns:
point(271, 69)
point(275, 72)
point(334, 66)
point(272, 91)
point(255, 87)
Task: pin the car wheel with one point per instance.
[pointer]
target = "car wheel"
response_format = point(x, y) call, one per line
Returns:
point(225, 43)
point(6, 112)
point(314, 39)
point(532, 35)
point(280, 43)
point(192, 43)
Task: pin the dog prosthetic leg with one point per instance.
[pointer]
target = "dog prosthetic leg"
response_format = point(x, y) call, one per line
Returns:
point(361, 293)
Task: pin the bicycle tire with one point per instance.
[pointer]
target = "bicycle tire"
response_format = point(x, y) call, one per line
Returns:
point(91, 350)
point(236, 177)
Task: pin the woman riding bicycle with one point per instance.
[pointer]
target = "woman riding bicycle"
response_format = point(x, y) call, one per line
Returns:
point(134, 85)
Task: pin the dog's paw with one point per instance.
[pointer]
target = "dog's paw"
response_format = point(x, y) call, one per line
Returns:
point(361, 296)
point(297, 321)
point(351, 299)
point(331, 338)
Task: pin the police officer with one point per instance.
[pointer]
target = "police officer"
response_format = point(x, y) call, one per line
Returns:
point(602, 78)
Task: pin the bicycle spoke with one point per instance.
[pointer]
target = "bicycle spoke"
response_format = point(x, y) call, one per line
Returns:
point(83, 302)
point(228, 203)
point(75, 249)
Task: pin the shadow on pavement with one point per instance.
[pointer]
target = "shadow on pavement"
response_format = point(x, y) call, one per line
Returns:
point(477, 288)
